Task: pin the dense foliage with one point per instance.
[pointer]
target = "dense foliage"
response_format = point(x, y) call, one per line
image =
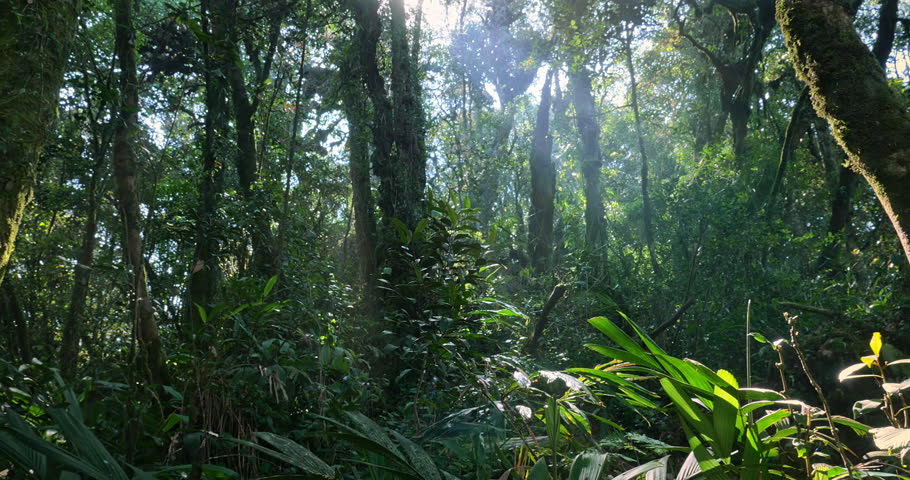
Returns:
point(362, 238)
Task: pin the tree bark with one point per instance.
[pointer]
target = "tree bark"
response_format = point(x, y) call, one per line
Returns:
point(362, 197)
point(259, 222)
point(407, 180)
point(11, 314)
point(34, 40)
point(848, 87)
point(205, 273)
point(399, 159)
point(647, 209)
point(543, 185)
point(72, 328)
point(125, 173)
point(591, 160)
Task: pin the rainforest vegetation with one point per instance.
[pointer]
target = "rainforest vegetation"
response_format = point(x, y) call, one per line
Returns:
point(454, 239)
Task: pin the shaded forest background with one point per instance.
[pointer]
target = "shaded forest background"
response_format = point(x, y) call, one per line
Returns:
point(232, 217)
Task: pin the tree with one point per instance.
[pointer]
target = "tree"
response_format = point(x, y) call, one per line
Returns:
point(543, 185)
point(848, 88)
point(399, 159)
point(647, 209)
point(125, 175)
point(34, 38)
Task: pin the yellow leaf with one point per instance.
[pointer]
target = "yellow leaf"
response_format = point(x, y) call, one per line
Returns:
point(876, 343)
point(870, 360)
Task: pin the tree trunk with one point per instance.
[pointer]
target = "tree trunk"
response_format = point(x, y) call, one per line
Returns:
point(403, 189)
point(259, 222)
point(399, 158)
point(366, 41)
point(31, 73)
point(124, 161)
point(887, 26)
point(295, 126)
point(72, 329)
point(591, 161)
point(11, 314)
point(205, 273)
point(543, 185)
point(359, 161)
point(848, 88)
point(647, 210)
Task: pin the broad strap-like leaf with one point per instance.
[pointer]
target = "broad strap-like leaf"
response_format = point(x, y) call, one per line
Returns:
point(302, 457)
point(420, 461)
point(689, 468)
point(620, 338)
point(889, 438)
point(642, 469)
point(539, 470)
point(87, 444)
point(587, 466)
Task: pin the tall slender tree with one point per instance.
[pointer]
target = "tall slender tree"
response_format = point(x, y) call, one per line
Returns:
point(647, 209)
point(125, 175)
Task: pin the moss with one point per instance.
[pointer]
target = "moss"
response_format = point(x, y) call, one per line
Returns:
point(848, 89)
point(34, 37)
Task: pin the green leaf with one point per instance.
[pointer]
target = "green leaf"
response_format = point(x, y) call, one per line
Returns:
point(87, 444)
point(288, 452)
point(890, 438)
point(173, 419)
point(770, 419)
point(624, 341)
point(587, 466)
point(420, 461)
point(858, 427)
point(539, 470)
point(848, 373)
point(642, 469)
point(269, 286)
point(759, 337)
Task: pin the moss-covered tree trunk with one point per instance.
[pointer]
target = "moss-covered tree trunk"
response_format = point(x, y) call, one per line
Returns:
point(34, 40)
point(401, 189)
point(357, 114)
point(543, 185)
point(591, 159)
point(849, 89)
point(125, 174)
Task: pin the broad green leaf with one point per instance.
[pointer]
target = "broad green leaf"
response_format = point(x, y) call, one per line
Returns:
point(858, 427)
point(539, 470)
point(770, 419)
point(726, 420)
point(587, 466)
point(420, 461)
point(301, 457)
point(890, 438)
point(87, 444)
point(620, 338)
point(269, 286)
point(850, 372)
point(642, 469)
point(689, 412)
